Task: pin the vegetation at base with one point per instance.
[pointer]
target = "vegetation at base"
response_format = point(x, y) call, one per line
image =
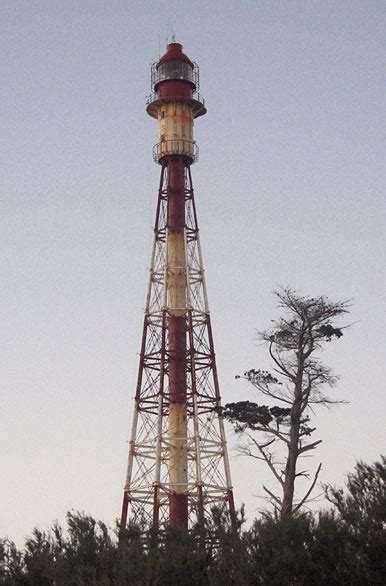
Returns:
point(345, 545)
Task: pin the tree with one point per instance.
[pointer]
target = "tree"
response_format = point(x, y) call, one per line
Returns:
point(298, 385)
point(362, 509)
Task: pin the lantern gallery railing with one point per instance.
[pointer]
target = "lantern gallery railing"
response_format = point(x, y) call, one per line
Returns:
point(154, 97)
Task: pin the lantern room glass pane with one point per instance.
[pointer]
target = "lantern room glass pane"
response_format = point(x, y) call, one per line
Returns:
point(175, 70)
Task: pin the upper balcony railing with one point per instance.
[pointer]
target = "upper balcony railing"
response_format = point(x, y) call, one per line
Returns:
point(154, 96)
point(186, 148)
point(175, 70)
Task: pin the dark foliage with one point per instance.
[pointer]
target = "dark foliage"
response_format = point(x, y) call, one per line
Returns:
point(362, 509)
point(345, 545)
point(253, 415)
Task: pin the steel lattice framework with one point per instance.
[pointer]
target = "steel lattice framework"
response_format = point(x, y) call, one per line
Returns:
point(201, 446)
point(147, 483)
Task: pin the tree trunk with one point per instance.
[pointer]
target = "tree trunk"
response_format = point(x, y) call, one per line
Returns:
point(293, 452)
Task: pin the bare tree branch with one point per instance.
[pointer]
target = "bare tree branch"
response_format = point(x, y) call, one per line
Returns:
point(273, 496)
point(309, 447)
point(281, 367)
point(268, 460)
point(304, 499)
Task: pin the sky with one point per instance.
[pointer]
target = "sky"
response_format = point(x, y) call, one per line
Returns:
point(290, 190)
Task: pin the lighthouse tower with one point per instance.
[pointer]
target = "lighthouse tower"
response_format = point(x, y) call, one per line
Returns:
point(178, 466)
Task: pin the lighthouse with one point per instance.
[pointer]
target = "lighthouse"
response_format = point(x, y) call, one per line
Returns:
point(178, 466)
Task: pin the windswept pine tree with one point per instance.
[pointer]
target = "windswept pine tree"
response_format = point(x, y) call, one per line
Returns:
point(297, 385)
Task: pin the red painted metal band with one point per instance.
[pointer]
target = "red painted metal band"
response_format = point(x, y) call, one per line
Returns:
point(141, 361)
point(191, 190)
point(176, 194)
point(177, 359)
point(125, 505)
point(232, 509)
point(178, 504)
point(155, 507)
point(174, 53)
point(160, 193)
point(174, 89)
point(213, 357)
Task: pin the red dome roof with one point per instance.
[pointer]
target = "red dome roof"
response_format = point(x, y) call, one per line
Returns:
point(174, 53)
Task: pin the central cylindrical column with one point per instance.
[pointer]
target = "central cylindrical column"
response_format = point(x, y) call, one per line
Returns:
point(176, 291)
